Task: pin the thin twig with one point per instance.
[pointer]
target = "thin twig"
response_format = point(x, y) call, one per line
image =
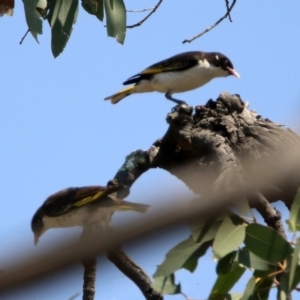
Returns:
point(212, 26)
point(143, 20)
point(74, 296)
point(227, 6)
point(23, 38)
point(185, 296)
point(140, 10)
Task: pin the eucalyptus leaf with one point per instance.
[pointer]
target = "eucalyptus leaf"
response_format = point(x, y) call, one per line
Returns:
point(229, 236)
point(205, 230)
point(264, 283)
point(115, 12)
point(166, 285)
point(242, 206)
point(62, 15)
point(225, 264)
point(266, 243)
point(294, 220)
point(250, 287)
point(252, 261)
point(284, 286)
point(294, 264)
point(233, 296)
point(33, 19)
point(94, 7)
point(225, 282)
point(296, 276)
point(179, 257)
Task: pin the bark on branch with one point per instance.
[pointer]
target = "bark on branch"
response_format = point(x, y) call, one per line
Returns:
point(226, 142)
point(219, 146)
point(133, 272)
point(223, 140)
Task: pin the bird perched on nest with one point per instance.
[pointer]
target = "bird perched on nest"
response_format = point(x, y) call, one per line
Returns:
point(177, 74)
point(79, 207)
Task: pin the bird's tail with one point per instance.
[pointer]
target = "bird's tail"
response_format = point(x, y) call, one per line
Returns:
point(126, 205)
point(115, 98)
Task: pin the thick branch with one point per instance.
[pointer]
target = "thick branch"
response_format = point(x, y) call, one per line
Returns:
point(133, 272)
point(223, 140)
point(89, 278)
point(220, 148)
point(272, 217)
point(92, 232)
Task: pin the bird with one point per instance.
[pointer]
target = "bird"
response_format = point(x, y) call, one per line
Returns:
point(180, 73)
point(79, 206)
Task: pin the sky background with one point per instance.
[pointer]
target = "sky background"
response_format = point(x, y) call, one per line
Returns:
point(57, 132)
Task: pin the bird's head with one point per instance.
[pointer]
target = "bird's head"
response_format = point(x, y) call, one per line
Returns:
point(223, 63)
point(37, 225)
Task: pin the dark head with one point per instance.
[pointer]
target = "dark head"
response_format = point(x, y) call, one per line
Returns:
point(221, 61)
point(37, 225)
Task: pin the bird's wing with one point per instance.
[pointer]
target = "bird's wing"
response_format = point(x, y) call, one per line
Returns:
point(66, 200)
point(178, 62)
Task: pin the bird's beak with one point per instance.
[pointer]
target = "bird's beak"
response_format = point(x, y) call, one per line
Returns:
point(233, 72)
point(36, 238)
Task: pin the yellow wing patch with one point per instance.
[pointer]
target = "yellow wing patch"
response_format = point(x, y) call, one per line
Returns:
point(89, 199)
point(153, 71)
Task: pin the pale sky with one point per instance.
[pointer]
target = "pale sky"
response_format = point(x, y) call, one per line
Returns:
point(58, 132)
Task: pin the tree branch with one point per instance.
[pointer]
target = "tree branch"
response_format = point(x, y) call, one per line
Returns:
point(24, 36)
point(272, 217)
point(89, 278)
point(139, 10)
point(143, 20)
point(133, 272)
point(223, 140)
point(229, 9)
point(90, 263)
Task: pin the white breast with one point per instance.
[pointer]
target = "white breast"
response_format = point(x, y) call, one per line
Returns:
point(181, 81)
point(79, 217)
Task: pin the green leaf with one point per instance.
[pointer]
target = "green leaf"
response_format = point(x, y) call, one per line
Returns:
point(166, 285)
point(94, 7)
point(205, 230)
point(296, 280)
point(264, 283)
point(266, 243)
point(225, 282)
point(234, 296)
point(294, 220)
point(224, 264)
point(180, 255)
point(250, 287)
point(284, 286)
point(62, 15)
point(191, 264)
point(242, 206)
point(115, 12)
point(252, 261)
point(33, 19)
point(229, 236)
point(294, 264)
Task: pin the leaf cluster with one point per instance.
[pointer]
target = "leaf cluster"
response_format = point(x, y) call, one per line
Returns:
point(62, 14)
point(239, 244)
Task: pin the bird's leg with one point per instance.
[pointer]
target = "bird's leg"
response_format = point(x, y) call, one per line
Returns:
point(169, 97)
